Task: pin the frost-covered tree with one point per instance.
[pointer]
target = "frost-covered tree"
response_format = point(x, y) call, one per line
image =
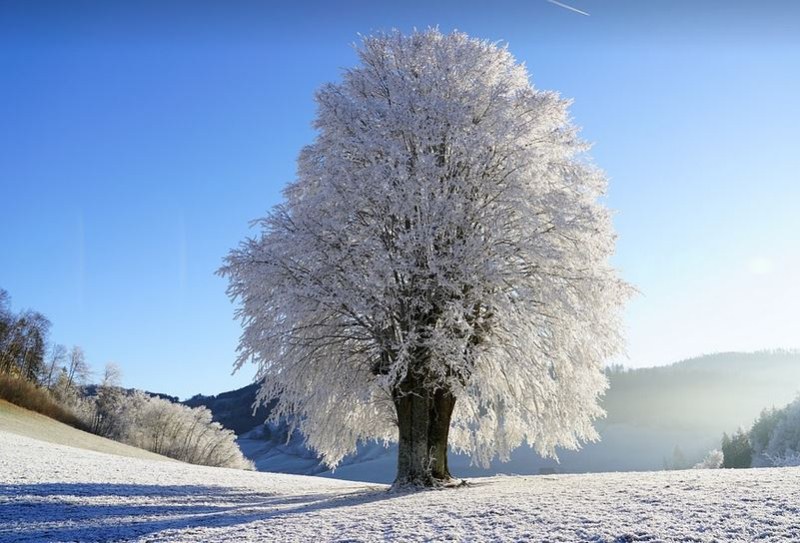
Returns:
point(35, 329)
point(178, 431)
point(713, 460)
point(108, 402)
point(776, 436)
point(438, 272)
point(23, 341)
point(77, 370)
point(761, 432)
point(55, 360)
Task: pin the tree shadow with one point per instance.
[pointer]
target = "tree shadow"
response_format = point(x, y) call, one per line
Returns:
point(104, 512)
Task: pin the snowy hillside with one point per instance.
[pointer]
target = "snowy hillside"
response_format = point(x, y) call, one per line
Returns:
point(52, 492)
point(20, 421)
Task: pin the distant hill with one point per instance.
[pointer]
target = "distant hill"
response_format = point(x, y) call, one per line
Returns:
point(723, 390)
point(667, 416)
point(233, 409)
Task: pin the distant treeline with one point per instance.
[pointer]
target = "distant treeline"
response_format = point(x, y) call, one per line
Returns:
point(52, 380)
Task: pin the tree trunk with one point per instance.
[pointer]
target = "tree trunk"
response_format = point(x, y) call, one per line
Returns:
point(424, 423)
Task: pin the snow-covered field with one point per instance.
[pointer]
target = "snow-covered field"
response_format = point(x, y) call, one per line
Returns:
point(51, 492)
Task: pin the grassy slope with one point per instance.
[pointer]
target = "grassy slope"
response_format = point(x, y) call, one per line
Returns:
point(17, 420)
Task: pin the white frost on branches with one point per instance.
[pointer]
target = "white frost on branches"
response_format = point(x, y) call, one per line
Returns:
point(445, 207)
point(713, 460)
point(779, 436)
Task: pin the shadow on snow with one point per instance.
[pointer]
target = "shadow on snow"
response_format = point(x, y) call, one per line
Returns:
point(101, 512)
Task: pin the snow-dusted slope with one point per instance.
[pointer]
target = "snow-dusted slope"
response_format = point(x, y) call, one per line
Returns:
point(57, 493)
point(21, 421)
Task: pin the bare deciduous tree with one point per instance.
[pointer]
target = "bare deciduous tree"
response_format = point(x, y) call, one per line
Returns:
point(78, 371)
point(56, 360)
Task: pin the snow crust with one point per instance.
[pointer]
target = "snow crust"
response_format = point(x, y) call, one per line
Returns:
point(52, 492)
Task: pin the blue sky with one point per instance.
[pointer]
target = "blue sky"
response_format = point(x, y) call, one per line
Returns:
point(138, 139)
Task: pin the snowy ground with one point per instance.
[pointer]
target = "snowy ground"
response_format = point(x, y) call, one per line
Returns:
point(51, 492)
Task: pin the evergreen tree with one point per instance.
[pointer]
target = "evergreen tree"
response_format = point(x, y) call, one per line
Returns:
point(736, 450)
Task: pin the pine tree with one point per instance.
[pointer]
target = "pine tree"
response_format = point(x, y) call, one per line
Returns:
point(736, 450)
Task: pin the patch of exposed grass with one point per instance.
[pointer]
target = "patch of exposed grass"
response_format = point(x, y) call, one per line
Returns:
point(30, 396)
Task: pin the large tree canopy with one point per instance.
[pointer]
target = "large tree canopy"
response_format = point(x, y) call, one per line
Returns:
point(444, 241)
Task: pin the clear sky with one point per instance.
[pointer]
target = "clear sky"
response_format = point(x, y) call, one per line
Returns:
point(138, 139)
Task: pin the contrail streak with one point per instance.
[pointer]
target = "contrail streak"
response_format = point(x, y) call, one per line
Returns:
point(576, 10)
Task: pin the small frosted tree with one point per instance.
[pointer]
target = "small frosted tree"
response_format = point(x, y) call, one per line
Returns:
point(713, 460)
point(438, 273)
point(55, 360)
point(78, 371)
point(108, 402)
point(178, 431)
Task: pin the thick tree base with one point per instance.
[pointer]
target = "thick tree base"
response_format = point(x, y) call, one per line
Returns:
point(426, 483)
point(423, 425)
